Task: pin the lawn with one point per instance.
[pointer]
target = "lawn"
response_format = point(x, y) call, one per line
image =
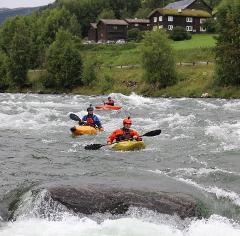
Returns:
point(197, 41)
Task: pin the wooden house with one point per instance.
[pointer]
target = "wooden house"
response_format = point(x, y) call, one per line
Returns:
point(92, 32)
point(111, 30)
point(189, 14)
point(141, 24)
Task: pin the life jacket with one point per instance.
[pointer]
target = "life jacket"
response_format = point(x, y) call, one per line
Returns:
point(125, 135)
point(110, 103)
point(90, 121)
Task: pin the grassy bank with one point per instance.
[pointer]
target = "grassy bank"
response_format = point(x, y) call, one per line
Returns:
point(193, 81)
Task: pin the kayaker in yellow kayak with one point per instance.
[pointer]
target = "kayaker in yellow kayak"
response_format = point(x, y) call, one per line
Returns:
point(109, 102)
point(91, 120)
point(124, 133)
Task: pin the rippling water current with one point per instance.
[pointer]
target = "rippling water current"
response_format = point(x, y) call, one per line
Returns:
point(198, 153)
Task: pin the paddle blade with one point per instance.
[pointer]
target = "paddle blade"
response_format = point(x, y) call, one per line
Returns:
point(74, 117)
point(153, 133)
point(95, 146)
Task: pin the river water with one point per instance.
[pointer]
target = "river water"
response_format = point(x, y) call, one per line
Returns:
point(197, 153)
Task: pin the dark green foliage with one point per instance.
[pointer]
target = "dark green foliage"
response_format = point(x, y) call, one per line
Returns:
point(210, 25)
point(107, 14)
point(157, 59)
point(135, 34)
point(179, 33)
point(228, 43)
point(63, 62)
point(4, 83)
point(89, 71)
point(16, 43)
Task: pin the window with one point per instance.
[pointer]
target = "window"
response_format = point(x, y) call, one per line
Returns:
point(160, 26)
point(202, 29)
point(160, 18)
point(170, 27)
point(189, 28)
point(202, 20)
point(154, 28)
point(170, 18)
point(155, 19)
point(189, 19)
point(136, 25)
point(115, 27)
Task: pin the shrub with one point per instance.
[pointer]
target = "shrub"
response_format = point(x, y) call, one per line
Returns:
point(135, 34)
point(157, 59)
point(179, 33)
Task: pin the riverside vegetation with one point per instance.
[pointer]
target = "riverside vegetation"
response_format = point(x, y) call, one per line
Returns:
point(44, 53)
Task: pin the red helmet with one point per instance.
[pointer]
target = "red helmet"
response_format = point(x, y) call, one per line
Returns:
point(127, 121)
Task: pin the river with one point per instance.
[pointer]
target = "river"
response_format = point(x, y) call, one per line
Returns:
point(197, 153)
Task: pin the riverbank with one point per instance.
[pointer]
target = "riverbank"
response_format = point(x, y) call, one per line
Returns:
point(114, 72)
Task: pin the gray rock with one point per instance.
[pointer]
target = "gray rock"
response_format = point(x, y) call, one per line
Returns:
point(91, 199)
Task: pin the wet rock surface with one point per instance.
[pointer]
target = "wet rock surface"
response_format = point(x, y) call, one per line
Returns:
point(91, 199)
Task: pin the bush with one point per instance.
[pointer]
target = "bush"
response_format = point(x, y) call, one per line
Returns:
point(89, 71)
point(157, 59)
point(228, 43)
point(135, 34)
point(179, 33)
point(210, 25)
point(63, 62)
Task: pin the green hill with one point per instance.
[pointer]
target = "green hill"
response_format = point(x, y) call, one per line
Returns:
point(6, 12)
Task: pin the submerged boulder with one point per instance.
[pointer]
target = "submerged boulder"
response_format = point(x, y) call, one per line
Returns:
point(92, 199)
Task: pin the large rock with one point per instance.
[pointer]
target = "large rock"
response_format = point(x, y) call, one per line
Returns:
point(96, 198)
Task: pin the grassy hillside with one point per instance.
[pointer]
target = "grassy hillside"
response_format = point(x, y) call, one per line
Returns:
point(193, 81)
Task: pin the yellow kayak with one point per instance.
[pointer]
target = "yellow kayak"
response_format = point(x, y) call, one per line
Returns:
point(129, 145)
point(81, 129)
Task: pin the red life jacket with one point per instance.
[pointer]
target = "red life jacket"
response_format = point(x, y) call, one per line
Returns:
point(125, 135)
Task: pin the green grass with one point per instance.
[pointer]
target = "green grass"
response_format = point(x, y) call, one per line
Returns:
point(197, 41)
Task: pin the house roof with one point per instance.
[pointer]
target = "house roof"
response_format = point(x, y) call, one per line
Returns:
point(179, 4)
point(186, 12)
point(113, 22)
point(137, 21)
point(94, 25)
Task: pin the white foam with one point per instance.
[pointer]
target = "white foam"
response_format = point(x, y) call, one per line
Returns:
point(74, 226)
point(227, 133)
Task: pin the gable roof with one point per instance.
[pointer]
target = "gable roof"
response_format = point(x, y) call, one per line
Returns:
point(179, 5)
point(94, 25)
point(137, 21)
point(113, 22)
point(186, 12)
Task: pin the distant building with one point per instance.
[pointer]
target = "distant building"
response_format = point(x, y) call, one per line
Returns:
point(189, 14)
point(111, 30)
point(141, 24)
point(92, 32)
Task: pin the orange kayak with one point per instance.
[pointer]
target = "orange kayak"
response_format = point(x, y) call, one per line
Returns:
point(81, 130)
point(108, 107)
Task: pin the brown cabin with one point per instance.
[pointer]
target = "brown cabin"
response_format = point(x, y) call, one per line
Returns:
point(111, 29)
point(141, 24)
point(189, 14)
point(92, 32)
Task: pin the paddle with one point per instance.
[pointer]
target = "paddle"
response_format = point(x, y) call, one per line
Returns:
point(74, 117)
point(97, 146)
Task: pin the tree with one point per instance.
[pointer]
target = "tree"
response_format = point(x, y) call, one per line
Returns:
point(135, 34)
point(157, 59)
point(4, 83)
point(16, 43)
point(107, 14)
point(228, 43)
point(63, 62)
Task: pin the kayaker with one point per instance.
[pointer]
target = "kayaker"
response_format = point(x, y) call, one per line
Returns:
point(109, 102)
point(91, 119)
point(124, 133)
